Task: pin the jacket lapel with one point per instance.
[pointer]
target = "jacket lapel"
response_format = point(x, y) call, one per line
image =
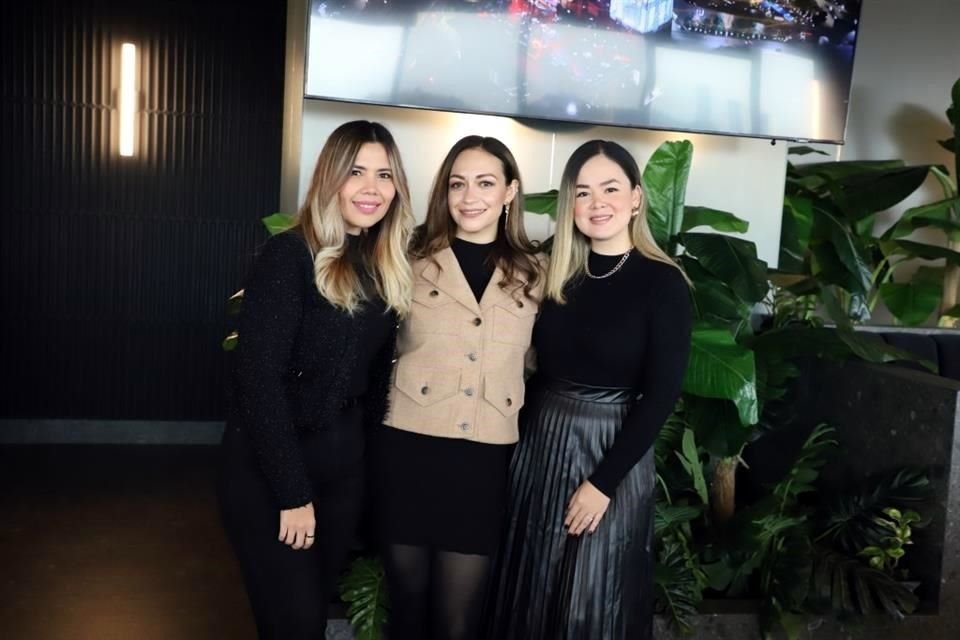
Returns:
point(494, 294)
point(450, 279)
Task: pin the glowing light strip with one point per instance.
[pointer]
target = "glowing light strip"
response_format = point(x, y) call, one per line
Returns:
point(128, 97)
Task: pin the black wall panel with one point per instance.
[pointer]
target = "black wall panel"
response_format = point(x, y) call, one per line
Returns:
point(114, 271)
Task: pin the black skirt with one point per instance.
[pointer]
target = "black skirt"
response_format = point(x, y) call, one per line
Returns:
point(443, 493)
point(549, 585)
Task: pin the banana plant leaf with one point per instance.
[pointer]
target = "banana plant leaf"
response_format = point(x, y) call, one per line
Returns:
point(847, 247)
point(831, 343)
point(913, 302)
point(803, 151)
point(544, 203)
point(861, 195)
point(919, 250)
point(925, 215)
point(717, 426)
point(796, 226)
point(712, 298)
point(279, 222)
point(665, 179)
point(720, 368)
point(845, 169)
point(713, 218)
point(733, 260)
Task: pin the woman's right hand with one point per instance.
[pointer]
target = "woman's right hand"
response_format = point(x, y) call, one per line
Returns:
point(298, 526)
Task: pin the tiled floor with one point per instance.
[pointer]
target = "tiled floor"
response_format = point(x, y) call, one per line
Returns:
point(116, 543)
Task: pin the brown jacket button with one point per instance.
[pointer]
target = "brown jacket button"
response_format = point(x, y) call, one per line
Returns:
point(520, 303)
point(509, 402)
point(424, 390)
point(477, 322)
point(434, 293)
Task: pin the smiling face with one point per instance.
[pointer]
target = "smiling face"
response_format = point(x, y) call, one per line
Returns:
point(476, 193)
point(368, 192)
point(604, 203)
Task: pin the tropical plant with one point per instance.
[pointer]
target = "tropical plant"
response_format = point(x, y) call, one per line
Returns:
point(274, 223)
point(364, 589)
point(831, 253)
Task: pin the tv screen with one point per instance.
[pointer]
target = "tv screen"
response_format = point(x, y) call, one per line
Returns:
point(774, 69)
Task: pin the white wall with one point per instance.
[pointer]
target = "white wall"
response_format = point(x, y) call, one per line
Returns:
point(740, 175)
point(908, 57)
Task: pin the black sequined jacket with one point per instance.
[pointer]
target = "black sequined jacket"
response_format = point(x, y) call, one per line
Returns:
point(294, 356)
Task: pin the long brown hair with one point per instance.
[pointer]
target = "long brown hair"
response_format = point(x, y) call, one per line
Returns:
point(385, 244)
point(570, 247)
point(512, 251)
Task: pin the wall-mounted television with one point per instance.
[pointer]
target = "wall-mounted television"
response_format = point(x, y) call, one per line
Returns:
point(765, 68)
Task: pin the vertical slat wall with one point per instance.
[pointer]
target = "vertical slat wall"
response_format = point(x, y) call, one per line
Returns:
point(114, 271)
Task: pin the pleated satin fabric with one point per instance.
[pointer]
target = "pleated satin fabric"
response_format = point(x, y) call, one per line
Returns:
point(549, 585)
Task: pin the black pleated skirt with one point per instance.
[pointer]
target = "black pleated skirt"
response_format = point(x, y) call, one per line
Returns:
point(549, 585)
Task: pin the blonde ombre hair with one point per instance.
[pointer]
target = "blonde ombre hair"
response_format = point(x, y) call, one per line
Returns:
point(571, 248)
point(384, 245)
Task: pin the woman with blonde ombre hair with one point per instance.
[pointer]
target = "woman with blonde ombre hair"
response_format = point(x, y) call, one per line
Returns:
point(439, 462)
point(311, 372)
point(612, 342)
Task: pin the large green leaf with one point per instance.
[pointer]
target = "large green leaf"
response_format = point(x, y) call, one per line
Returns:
point(712, 298)
point(913, 302)
point(364, 589)
point(717, 425)
point(721, 368)
point(279, 222)
point(836, 344)
point(713, 218)
point(803, 151)
point(925, 215)
point(665, 178)
point(848, 248)
point(861, 195)
point(690, 459)
point(542, 203)
point(733, 260)
point(795, 229)
point(919, 250)
point(827, 268)
point(847, 168)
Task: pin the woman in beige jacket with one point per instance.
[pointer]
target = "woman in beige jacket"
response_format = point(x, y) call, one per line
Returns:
point(439, 463)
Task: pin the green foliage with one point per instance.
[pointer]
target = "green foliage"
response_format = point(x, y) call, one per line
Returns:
point(852, 590)
point(279, 222)
point(678, 582)
point(852, 521)
point(690, 460)
point(887, 555)
point(828, 235)
point(364, 590)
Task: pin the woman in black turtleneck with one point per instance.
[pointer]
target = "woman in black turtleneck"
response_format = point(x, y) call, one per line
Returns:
point(311, 369)
point(439, 462)
point(612, 342)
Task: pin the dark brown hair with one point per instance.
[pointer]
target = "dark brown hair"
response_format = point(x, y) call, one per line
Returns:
point(512, 251)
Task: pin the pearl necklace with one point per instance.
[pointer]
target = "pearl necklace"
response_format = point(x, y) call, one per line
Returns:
point(616, 267)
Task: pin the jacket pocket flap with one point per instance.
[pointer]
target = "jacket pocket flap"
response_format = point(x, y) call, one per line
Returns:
point(427, 385)
point(504, 391)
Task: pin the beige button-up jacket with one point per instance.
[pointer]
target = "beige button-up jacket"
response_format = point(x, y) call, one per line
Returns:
point(460, 367)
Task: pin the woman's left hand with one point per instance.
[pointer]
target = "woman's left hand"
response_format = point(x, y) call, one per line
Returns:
point(585, 509)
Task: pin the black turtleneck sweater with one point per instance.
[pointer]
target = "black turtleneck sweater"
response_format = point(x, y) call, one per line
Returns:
point(631, 329)
point(474, 263)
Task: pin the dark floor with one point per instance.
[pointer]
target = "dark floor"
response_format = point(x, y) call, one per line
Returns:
point(115, 542)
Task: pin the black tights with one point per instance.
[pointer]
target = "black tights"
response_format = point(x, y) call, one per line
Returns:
point(439, 591)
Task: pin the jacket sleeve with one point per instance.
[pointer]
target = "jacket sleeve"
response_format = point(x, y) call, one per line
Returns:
point(665, 363)
point(270, 317)
point(378, 389)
